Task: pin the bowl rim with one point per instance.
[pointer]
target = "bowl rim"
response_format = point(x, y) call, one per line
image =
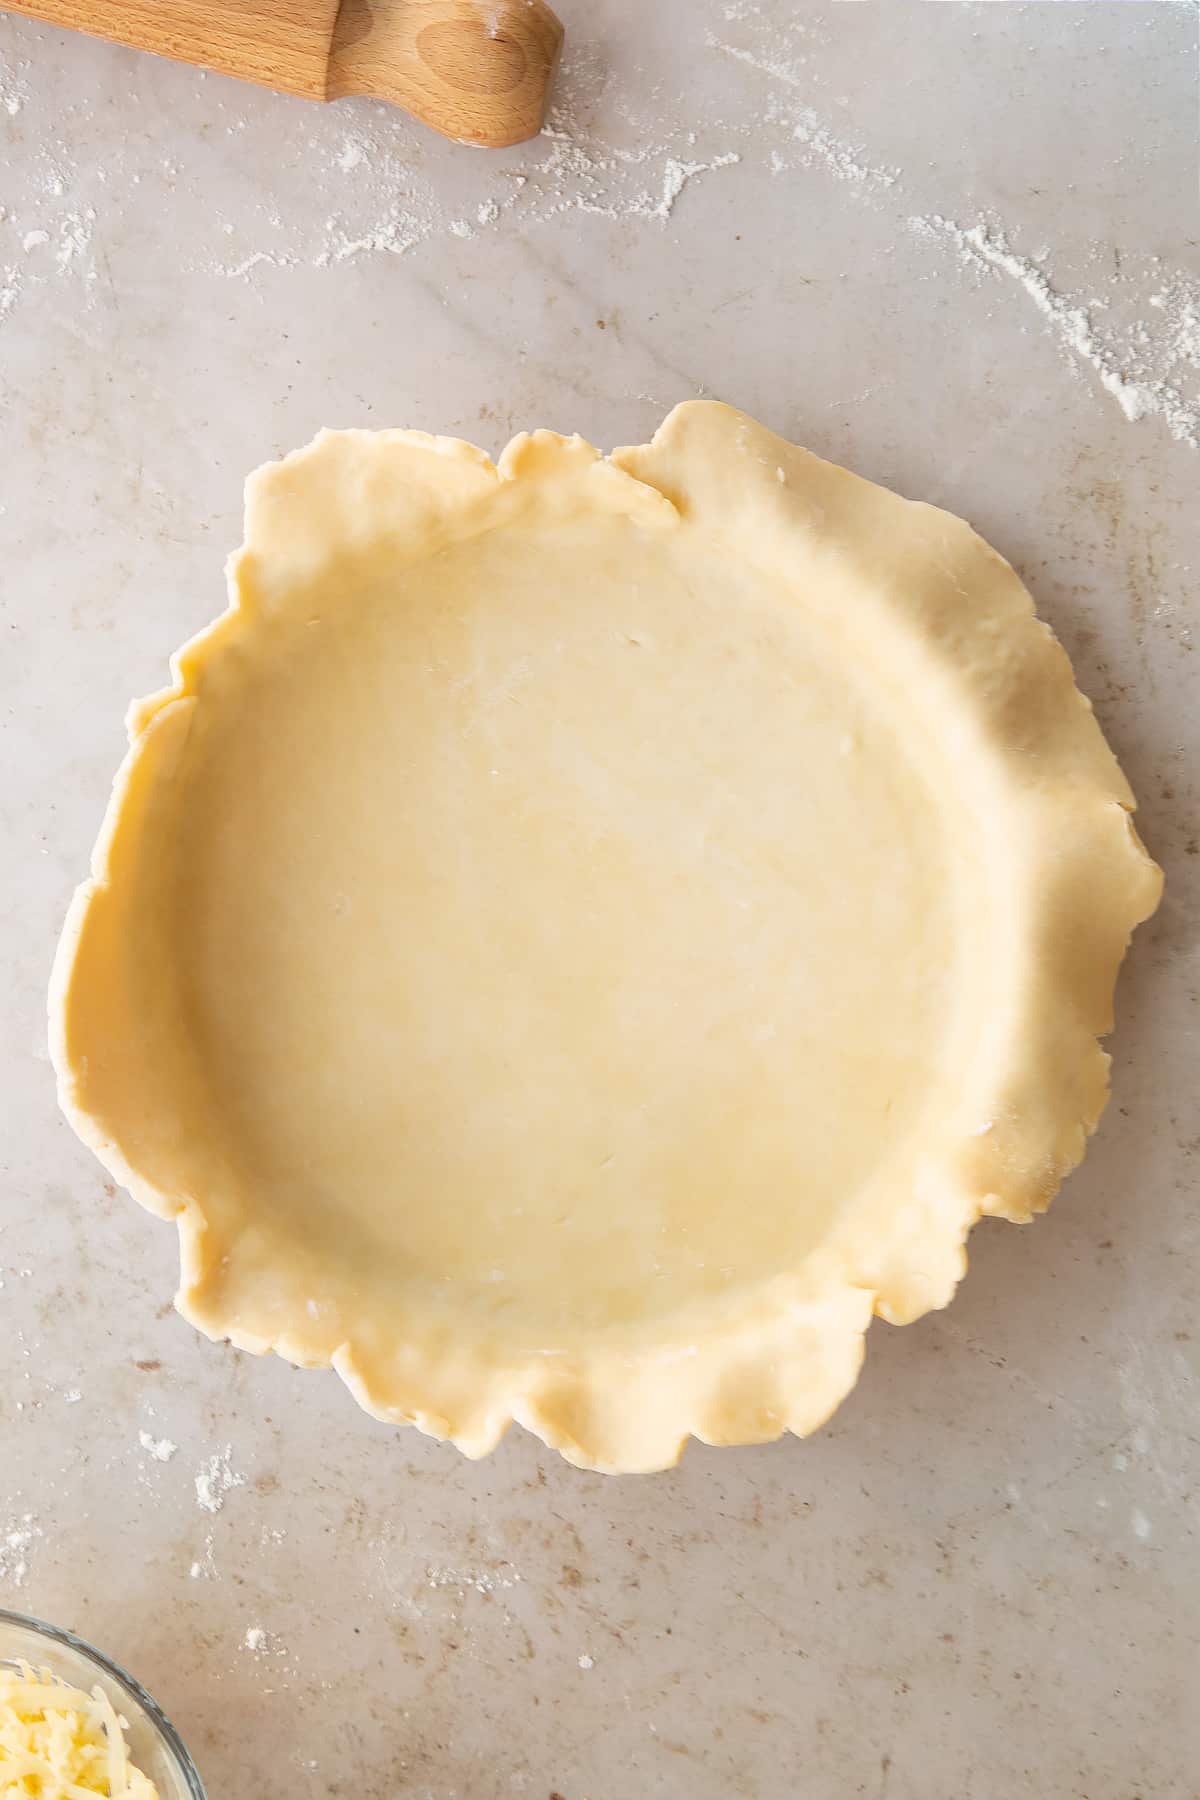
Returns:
point(121, 1679)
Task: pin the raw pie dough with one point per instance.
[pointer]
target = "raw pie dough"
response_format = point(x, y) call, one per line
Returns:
point(581, 934)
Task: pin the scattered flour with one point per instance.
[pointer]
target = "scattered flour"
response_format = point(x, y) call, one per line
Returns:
point(581, 172)
point(1138, 374)
point(396, 234)
point(13, 91)
point(161, 1449)
point(837, 158)
point(273, 260)
point(260, 1643)
point(379, 194)
point(75, 242)
point(16, 1542)
point(485, 1581)
point(676, 176)
point(779, 67)
point(10, 293)
point(1179, 305)
point(820, 146)
point(215, 1479)
point(205, 1568)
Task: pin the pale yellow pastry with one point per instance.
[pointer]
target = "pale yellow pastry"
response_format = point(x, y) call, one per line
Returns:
point(580, 935)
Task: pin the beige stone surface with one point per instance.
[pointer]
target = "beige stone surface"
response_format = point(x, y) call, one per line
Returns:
point(947, 245)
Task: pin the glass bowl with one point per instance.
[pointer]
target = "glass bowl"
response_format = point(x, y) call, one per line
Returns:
point(154, 1744)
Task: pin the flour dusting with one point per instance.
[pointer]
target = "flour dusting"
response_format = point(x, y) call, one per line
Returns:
point(838, 158)
point(16, 1542)
point(375, 192)
point(260, 1642)
point(215, 1479)
point(160, 1449)
point(819, 145)
point(676, 176)
point(787, 69)
point(1140, 372)
point(10, 293)
point(259, 258)
point(204, 1568)
point(485, 1581)
point(13, 90)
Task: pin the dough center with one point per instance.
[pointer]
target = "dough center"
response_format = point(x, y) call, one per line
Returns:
point(568, 933)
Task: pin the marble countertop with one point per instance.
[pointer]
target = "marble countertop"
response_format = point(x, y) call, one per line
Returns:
point(947, 245)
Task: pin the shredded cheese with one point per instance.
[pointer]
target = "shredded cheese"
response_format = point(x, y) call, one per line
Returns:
point(58, 1743)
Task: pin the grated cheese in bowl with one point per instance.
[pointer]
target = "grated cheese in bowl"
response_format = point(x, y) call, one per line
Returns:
point(74, 1725)
point(59, 1743)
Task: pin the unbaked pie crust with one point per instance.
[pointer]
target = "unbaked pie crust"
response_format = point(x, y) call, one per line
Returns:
point(581, 934)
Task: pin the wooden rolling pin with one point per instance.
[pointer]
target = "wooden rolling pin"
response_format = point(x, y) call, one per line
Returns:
point(475, 70)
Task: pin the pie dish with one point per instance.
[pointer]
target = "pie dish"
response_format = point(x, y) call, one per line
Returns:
point(581, 934)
